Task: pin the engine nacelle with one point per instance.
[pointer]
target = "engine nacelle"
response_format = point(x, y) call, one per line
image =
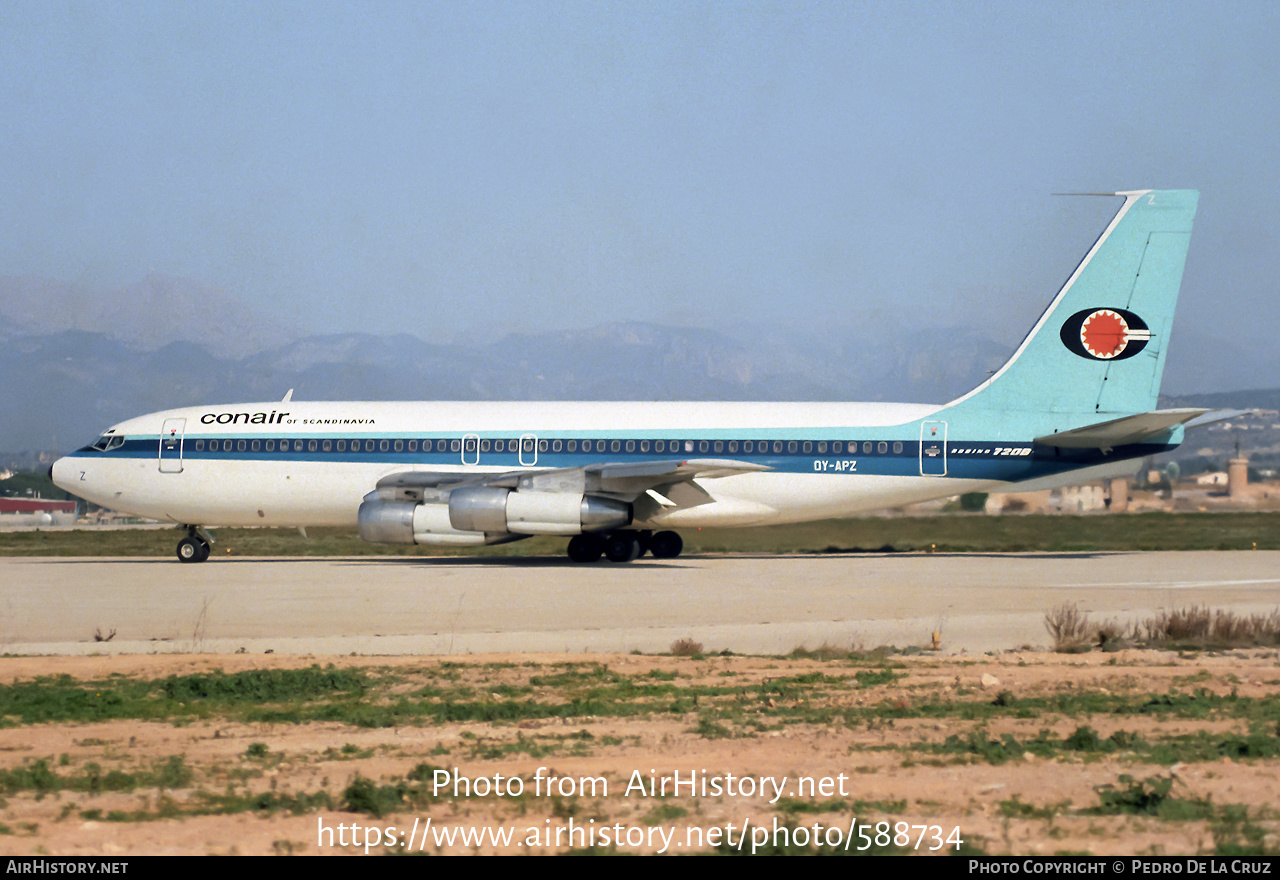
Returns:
point(492, 509)
point(408, 522)
point(488, 515)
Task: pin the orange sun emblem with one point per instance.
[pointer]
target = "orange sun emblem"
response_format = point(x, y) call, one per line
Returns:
point(1104, 334)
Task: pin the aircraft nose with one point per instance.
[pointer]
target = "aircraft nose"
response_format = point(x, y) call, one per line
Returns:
point(60, 474)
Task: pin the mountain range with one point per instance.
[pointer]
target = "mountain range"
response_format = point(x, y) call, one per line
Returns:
point(76, 362)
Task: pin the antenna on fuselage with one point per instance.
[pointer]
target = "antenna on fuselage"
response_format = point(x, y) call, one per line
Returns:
point(288, 395)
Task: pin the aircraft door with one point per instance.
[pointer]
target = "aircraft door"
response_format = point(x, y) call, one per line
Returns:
point(471, 449)
point(528, 449)
point(171, 445)
point(933, 449)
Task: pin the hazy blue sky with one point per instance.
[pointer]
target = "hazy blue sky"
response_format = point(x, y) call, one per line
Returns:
point(433, 166)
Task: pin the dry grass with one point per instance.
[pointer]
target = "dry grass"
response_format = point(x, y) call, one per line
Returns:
point(1070, 629)
point(1074, 632)
point(1203, 627)
point(686, 647)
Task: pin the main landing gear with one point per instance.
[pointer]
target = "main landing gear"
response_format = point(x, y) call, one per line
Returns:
point(624, 546)
point(195, 546)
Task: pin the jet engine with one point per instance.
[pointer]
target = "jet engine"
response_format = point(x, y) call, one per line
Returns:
point(488, 515)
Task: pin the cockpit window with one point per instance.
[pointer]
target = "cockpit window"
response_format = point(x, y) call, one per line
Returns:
point(107, 442)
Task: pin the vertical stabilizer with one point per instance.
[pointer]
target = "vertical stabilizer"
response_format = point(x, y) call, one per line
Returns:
point(1100, 346)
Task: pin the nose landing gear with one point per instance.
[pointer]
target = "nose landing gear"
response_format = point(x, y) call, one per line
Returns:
point(195, 546)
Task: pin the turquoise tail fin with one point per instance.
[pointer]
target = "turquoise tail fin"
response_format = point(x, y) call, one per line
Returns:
point(1100, 346)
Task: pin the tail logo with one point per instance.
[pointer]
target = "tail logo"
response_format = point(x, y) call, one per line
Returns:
point(1105, 334)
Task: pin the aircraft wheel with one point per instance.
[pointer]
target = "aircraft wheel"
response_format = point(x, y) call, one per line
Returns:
point(585, 548)
point(192, 550)
point(622, 547)
point(666, 545)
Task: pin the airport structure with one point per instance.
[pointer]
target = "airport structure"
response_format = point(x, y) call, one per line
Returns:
point(37, 512)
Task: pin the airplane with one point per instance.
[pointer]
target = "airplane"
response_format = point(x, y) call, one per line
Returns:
point(1075, 402)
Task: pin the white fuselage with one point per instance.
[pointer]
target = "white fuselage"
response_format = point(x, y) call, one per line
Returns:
point(245, 484)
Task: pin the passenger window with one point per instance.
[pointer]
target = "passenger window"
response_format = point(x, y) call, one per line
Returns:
point(897, 447)
point(199, 446)
point(659, 446)
point(822, 446)
point(342, 445)
point(556, 445)
point(327, 446)
point(484, 445)
point(399, 446)
point(837, 447)
point(748, 446)
point(631, 446)
point(808, 446)
point(573, 445)
point(255, 445)
point(791, 446)
point(882, 447)
point(733, 445)
point(719, 447)
point(455, 446)
point(644, 445)
point(240, 446)
point(777, 445)
point(702, 446)
point(542, 445)
point(615, 446)
point(866, 447)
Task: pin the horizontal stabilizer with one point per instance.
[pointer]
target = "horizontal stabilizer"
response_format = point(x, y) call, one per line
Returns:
point(1121, 432)
point(1219, 415)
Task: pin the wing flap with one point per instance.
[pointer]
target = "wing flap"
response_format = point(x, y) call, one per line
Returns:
point(623, 480)
point(631, 480)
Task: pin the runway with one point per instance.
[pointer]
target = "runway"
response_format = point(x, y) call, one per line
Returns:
point(742, 603)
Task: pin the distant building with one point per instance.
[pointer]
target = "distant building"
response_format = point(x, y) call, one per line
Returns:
point(1082, 499)
point(37, 511)
point(1214, 478)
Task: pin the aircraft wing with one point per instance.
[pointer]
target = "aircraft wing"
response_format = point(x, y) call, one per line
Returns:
point(1120, 432)
point(624, 481)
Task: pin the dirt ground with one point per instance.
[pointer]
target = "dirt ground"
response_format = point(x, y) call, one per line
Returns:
point(747, 780)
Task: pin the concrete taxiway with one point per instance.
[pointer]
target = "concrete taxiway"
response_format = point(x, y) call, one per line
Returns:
point(755, 604)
